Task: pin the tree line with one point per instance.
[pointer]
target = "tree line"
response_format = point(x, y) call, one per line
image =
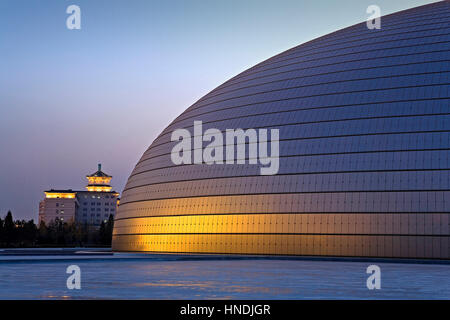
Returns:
point(26, 234)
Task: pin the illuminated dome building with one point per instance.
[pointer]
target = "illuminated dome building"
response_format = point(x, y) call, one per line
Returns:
point(364, 170)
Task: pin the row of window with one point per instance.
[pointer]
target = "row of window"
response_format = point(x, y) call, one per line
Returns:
point(223, 119)
point(410, 160)
point(99, 197)
point(99, 203)
point(399, 23)
point(330, 245)
point(307, 57)
point(353, 144)
point(367, 58)
point(99, 209)
point(408, 25)
point(97, 215)
point(354, 92)
point(94, 221)
point(312, 68)
point(292, 128)
point(332, 182)
point(413, 224)
point(304, 80)
point(351, 202)
point(389, 127)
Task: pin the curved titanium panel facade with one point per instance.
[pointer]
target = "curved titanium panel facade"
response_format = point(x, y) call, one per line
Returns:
point(364, 123)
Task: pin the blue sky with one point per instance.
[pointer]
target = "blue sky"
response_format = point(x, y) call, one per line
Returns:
point(70, 99)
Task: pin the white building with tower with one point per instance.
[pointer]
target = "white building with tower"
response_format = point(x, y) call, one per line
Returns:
point(90, 206)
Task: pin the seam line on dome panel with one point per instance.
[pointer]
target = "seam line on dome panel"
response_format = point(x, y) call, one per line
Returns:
point(169, 128)
point(300, 155)
point(289, 174)
point(289, 53)
point(286, 234)
point(308, 138)
point(353, 30)
point(176, 120)
point(311, 96)
point(256, 70)
point(271, 65)
point(274, 213)
point(417, 45)
point(300, 123)
point(311, 155)
point(344, 70)
point(326, 83)
point(191, 108)
point(194, 106)
point(219, 90)
point(204, 98)
point(347, 136)
point(284, 193)
point(339, 71)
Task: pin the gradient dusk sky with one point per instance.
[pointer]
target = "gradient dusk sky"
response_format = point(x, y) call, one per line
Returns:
point(70, 99)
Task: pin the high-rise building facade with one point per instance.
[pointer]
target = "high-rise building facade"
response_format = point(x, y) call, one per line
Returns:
point(58, 205)
point(364, 165)
point(89, 207)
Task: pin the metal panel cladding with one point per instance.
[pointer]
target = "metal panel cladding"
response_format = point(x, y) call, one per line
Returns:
point(364, 125)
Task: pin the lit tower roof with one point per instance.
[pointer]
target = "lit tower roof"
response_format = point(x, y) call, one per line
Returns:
point(99, 181)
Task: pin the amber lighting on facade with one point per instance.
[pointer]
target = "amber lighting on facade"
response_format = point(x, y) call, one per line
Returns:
point(59, 195)
point(364, 154)
point(99, 189)
point(99, 181)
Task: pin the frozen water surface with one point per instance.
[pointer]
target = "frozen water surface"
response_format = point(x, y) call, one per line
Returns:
point(139, 276)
